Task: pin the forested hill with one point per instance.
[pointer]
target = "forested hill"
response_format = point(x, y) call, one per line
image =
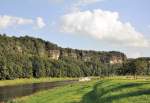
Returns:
point(25, 57)
point(29, 46)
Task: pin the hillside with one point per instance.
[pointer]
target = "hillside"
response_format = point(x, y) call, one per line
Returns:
point(25, 57)
point(29, 46)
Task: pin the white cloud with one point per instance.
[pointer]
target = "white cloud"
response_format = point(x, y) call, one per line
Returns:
point(40, 22)
point(8, 21)
point(103, 25)
point(86, 2)
point(12, 21)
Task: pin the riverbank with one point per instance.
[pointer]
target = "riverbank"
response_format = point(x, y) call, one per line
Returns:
point(96, 91)
point(30, 80)
point(50, 79)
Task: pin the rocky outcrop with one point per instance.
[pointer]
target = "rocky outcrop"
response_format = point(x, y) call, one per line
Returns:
point(87, 56)
point(116, 61)
point(54, 54)
point(28, 46)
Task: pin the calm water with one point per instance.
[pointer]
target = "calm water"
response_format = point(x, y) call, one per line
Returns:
point(10, 92)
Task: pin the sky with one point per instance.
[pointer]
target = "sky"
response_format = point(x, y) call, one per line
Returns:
point(101, 25)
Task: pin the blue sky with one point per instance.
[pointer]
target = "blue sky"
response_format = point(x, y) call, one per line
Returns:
point(47, 18)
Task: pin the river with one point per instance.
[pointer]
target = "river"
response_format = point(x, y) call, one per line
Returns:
point(11, 92)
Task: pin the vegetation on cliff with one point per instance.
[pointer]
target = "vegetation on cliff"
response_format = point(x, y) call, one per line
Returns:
point(26, 57)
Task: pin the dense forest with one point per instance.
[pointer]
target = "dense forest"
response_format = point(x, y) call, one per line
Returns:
point(26, 57)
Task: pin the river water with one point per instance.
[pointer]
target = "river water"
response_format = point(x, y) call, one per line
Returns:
point(11, 92)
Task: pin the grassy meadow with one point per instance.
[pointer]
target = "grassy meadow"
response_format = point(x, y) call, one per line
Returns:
point(118, 90)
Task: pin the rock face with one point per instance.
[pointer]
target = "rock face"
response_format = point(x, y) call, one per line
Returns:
point(67, 52)
point(87, 56)
point(54, 54)
point(114, 58)
point(29, 47)
point(116, 61)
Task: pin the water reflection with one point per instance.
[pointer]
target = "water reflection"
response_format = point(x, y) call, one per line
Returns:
point(10, 92)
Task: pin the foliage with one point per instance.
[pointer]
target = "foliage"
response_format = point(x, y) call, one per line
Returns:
point(136, 67)
point(27, 57)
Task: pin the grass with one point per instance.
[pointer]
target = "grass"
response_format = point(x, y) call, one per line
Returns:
point(119, 91)
point(97, 91)
point(71, 93)
point(30, 80)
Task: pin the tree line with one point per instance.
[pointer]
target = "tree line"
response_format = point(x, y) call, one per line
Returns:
point(26, 57)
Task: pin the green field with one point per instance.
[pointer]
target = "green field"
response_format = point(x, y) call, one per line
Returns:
point(97, 91)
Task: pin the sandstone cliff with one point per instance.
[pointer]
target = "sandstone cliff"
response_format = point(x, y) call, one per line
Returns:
point(33, 46)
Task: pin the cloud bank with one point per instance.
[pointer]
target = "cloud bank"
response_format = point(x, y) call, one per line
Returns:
point(7, 21)
point(104, 26)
